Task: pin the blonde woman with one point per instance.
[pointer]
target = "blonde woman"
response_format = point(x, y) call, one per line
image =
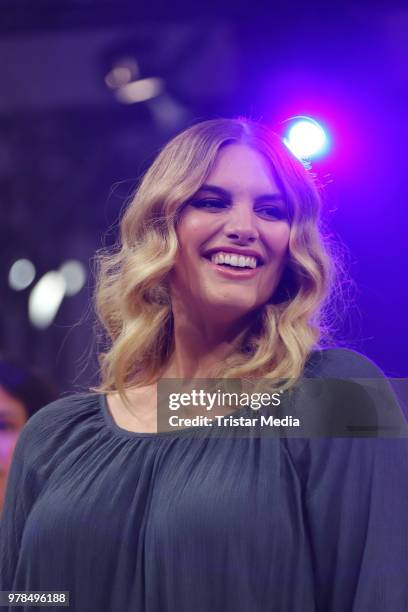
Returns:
point(221, 272)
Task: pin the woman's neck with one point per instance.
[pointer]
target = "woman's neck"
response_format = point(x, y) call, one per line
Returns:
point(197, 348)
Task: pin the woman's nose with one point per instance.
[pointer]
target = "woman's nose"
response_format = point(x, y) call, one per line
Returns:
point(241, 224)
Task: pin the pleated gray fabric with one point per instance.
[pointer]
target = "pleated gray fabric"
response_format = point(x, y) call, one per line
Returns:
point(133, 522)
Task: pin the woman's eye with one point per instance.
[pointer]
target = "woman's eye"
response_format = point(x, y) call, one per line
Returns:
point(271, 212)
point(208, 203)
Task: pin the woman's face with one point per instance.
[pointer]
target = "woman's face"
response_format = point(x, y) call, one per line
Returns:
point(240, 211)
point(13, 416)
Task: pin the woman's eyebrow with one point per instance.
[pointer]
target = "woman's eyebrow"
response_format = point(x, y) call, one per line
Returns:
point(266, 197)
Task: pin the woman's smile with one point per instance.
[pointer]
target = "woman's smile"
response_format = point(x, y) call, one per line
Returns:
point(233, 273)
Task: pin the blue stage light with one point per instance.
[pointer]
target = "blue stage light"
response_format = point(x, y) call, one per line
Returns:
point(306, 138)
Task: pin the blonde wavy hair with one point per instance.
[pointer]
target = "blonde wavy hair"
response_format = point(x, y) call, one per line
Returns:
point(132, 294)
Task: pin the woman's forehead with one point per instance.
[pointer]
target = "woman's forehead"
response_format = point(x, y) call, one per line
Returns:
point(241, 168)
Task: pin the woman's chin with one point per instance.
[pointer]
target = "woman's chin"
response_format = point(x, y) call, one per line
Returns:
point(223, 309)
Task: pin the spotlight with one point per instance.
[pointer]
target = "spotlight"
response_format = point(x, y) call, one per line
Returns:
point(45, 299)
point(74, 275)
point(306, 138)
point(140, 91)
point(123, 72)
point(21, 274)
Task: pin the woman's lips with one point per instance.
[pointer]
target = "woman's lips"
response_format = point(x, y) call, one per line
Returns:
point(233, 273)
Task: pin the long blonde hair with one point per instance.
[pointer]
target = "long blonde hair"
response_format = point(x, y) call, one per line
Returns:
point(132, 295)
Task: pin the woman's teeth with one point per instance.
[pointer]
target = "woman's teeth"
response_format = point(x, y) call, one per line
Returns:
point(238, 261)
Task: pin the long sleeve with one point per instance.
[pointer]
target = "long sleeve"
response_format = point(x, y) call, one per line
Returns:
point(22, 490)
point(356, 497)
point(357, 515)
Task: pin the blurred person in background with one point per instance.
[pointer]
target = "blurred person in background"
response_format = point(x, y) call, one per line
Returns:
point(23, 391)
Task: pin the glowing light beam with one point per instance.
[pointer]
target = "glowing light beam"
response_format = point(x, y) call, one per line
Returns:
point(306, 138)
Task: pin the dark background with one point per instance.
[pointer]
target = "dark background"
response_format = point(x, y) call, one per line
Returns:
point(70, 153)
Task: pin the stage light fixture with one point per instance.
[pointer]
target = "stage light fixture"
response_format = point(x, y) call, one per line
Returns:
point(123, 72)
point(140, 91)
point(306, 138)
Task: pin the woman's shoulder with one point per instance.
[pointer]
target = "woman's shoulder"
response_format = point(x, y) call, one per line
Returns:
point(356, 393)
point(64, 409)
point(54, 422)
point(353, 402)
point(340, 362)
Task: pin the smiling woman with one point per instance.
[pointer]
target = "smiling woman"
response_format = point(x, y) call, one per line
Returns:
point(221, 272)
point(229, 226)
point(221, 187)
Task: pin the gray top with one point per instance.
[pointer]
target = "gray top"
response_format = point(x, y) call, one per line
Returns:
point(145, 522)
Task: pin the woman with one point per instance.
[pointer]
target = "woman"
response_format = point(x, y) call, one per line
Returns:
point(123, 517)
